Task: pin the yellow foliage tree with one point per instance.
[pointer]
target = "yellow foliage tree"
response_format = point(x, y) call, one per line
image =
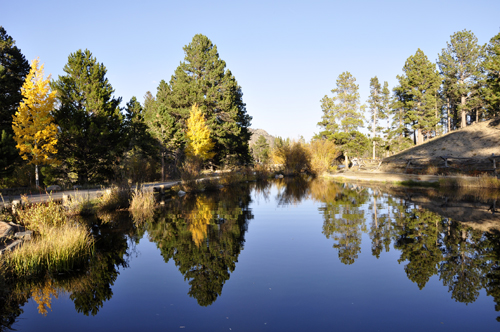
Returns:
point(34, 128)
point(199, 143)
point(323, 154)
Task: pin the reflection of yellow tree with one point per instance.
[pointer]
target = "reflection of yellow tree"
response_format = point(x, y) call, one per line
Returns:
point(198, 221)
point(43, 297)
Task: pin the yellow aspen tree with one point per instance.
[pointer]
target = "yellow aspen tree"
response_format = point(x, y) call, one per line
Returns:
point(34, 128)
point(199, 142)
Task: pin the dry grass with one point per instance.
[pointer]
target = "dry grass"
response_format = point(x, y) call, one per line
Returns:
point(142, 205)
point(115, 198)
point(39, 217)
point(58, 249)
point(484, 181)
point(81, 205)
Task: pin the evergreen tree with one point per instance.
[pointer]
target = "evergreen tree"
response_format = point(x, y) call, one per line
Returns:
point(378, 103)
point(342, 111)
point(492, 68)
point(164, 128)
point(342, 116)
point(91, 138)
point(460, 65)
point(418, 90)
point(260, 150)
point(399, 134)
point(13, 69)
point(203, 79)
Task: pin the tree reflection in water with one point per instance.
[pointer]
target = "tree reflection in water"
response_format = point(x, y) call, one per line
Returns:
point(204, 235)
point(466, 260)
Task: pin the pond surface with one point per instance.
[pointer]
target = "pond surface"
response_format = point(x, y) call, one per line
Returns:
point(291, 255)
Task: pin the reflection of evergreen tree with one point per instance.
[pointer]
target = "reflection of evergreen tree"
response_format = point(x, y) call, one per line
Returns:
point(380, 228)
point(462, 267)
point(344, 222)
point(110, 253)
point(492, 284)
point(205, 252)
point(418, 239)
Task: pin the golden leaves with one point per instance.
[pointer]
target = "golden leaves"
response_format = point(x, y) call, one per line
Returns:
point(199, 143)
point(34, 128)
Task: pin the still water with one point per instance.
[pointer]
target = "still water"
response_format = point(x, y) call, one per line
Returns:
point(291, 255)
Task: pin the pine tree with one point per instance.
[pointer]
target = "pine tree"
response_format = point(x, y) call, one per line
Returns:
point(260, 150)
point(199, 144)
point(203, 79)
point(342, 111)
point(378, 103)
point(164, 128)
point(460, 65)
point(419, 86)
point(492, 67)
point(33, 123)
point(342, 116)
point(13, 69)
point(91, 138)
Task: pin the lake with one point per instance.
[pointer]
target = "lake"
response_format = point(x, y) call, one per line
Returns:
point(288, 255)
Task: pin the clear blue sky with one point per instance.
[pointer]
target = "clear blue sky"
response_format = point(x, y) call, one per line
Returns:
point(286, 55)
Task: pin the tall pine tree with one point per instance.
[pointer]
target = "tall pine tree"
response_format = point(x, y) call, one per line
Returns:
point(342, 116)
point(460, 65)
point(418, 89)
point(91, 138)
point(13, 70)
point(492, 67)
point(203, 79)
point(378, 104)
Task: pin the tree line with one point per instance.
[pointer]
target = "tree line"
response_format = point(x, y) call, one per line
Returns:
point(74, 127)
point(430, 99)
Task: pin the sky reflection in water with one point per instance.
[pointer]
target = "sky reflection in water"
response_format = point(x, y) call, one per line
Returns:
point(292, 255)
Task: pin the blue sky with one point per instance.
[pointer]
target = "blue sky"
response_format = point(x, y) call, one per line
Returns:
point(286, 55)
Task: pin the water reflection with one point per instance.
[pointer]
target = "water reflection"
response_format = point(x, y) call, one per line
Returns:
point(447, 235)
point(463, 255)
point(89, 287)
point(203, 235)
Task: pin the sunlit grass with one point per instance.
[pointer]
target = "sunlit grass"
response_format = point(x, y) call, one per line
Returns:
point(55, 249)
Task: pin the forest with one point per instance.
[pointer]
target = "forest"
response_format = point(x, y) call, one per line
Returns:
point(75, 130)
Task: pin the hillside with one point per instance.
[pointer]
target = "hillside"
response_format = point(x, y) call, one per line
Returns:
point(477, 141)
point(260, 132)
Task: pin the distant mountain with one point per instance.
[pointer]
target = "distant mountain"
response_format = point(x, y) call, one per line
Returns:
point(261, 132)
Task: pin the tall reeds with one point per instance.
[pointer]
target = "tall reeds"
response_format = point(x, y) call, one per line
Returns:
point(142, 205)
point(58, 249)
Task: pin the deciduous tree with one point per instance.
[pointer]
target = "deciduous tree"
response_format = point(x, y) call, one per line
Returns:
point(199, 144)
point(33, 124)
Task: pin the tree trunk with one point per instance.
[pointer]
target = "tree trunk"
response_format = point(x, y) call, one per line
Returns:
point(464, 114)
point(448, 113)
point(36, 176)
point(163, 166)
point(346, 161)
